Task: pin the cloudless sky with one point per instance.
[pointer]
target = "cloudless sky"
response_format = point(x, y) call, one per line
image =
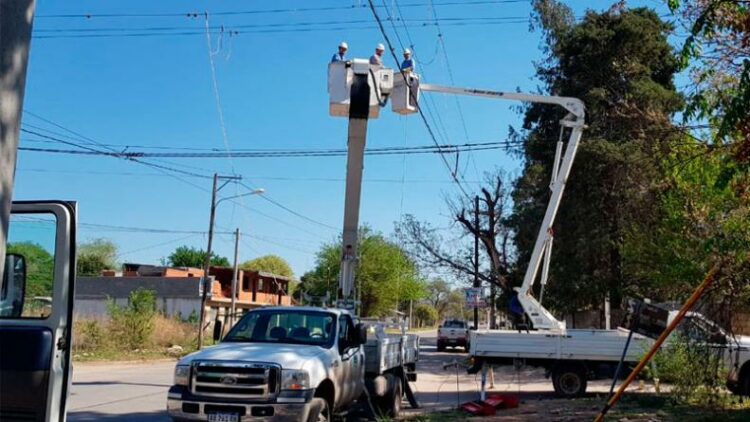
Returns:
point(156, 91)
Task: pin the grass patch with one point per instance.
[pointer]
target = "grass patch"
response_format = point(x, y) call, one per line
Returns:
point(101, 339)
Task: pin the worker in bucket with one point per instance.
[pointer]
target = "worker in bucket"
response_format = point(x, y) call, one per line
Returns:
point(408, 64)
point(339, 57)
point(377, 58)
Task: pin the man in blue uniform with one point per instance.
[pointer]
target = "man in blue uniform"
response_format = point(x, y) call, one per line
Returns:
point(408, 64)
point(339, 57)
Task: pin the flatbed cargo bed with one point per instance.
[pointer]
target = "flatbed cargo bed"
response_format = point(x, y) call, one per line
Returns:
point(571, 344)
point(387, 351)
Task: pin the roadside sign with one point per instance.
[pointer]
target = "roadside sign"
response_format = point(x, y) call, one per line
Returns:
point(474, 297)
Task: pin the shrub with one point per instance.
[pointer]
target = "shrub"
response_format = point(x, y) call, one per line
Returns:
point(89, 335)
point(134, 324)
point(695, 371)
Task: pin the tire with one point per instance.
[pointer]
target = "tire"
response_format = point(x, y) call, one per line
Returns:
point(440, 347)
point(569, 381)
point(743, 388)
point(389, 406)
point(319, 410)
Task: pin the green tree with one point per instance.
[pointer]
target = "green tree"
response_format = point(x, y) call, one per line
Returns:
point(621, 65)
point(96, 256)
point(717, 54)
point(269, 263)
point(188, 256)
point(386, 278)
point(436, 294)
point(40, 267)
point(425, 315)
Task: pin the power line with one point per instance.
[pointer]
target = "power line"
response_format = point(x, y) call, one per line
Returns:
point(441, 40)
point(116, 154)
point(219, 28)
point(229, 30)
point(419, 109)
point(130, 155)
point(254, 177)
point(217, 97)
point(289, 210)
point(189, 14)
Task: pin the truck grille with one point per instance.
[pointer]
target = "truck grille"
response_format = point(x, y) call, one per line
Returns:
point(232, 380)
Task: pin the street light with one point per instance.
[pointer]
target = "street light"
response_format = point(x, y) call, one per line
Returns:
point(207, 262)
point(259, 191)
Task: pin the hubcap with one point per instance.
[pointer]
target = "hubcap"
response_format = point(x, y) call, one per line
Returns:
point(570, 383)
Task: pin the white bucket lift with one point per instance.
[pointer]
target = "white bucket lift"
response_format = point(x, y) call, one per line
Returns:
point(405, 98)
point(340, 78)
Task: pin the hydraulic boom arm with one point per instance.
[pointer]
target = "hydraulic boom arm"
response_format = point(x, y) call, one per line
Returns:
point(540, 317)
point(357, 91)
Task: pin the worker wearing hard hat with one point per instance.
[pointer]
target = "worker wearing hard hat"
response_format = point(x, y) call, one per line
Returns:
point(377, 58)
point(408, 64)
point(339, 57)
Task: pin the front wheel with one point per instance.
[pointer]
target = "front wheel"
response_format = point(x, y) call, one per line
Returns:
point(569, 381)
point(319, 410)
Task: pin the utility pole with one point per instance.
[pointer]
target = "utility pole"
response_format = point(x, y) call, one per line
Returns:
point(476, 257)
point(16, 18)
point(235, 275)
point(207, 263)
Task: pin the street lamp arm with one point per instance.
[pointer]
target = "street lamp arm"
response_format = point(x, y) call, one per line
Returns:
point(255, 192)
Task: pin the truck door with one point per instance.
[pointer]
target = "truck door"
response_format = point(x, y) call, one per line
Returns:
point(350, 369)
point(36, 306)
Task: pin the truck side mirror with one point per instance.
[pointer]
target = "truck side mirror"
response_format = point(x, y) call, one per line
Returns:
point(361, 333)
point(217, 330)
point(13, 289)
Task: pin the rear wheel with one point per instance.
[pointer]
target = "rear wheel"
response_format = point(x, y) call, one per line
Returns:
point(390, 404)
point(440, 346)
point(569, 381)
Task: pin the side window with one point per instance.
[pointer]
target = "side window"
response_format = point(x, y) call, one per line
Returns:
point(27, 285)
point(345, 332)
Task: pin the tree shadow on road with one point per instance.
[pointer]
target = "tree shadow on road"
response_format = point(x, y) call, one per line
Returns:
point(130, 417)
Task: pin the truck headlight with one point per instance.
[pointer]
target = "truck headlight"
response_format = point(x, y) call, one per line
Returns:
point(181, 374)
point(293, 379)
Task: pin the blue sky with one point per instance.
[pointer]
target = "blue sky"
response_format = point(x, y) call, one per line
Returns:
point(157, 91)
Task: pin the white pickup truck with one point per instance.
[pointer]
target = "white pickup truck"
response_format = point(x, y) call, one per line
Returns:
point(453, 333)
point(293, 364)
point(573, 356)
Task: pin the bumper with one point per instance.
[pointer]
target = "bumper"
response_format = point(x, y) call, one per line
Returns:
point(183, 406)
point(461, 342)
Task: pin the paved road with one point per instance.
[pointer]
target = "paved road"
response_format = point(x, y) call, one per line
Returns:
point(137, 392)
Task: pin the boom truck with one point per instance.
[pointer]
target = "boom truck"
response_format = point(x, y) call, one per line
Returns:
point(307, 363)
point(303, 363)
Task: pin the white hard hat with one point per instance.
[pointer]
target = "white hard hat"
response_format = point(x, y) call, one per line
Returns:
point(380, 47)
point(344, 45)
point(407, 51)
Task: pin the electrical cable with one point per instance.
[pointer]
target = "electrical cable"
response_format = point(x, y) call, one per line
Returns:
point(264, 11)
point(419, 109)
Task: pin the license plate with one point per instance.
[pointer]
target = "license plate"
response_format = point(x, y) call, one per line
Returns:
point(452, 340)
point(223, 417)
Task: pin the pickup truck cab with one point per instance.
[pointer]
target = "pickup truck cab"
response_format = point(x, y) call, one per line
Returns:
point(291, 364)
point(454, 333)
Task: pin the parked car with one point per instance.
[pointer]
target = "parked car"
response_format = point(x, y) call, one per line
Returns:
point(453, 333)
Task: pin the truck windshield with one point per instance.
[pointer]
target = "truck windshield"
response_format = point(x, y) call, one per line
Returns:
point(454, 324)
point(285, 326)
